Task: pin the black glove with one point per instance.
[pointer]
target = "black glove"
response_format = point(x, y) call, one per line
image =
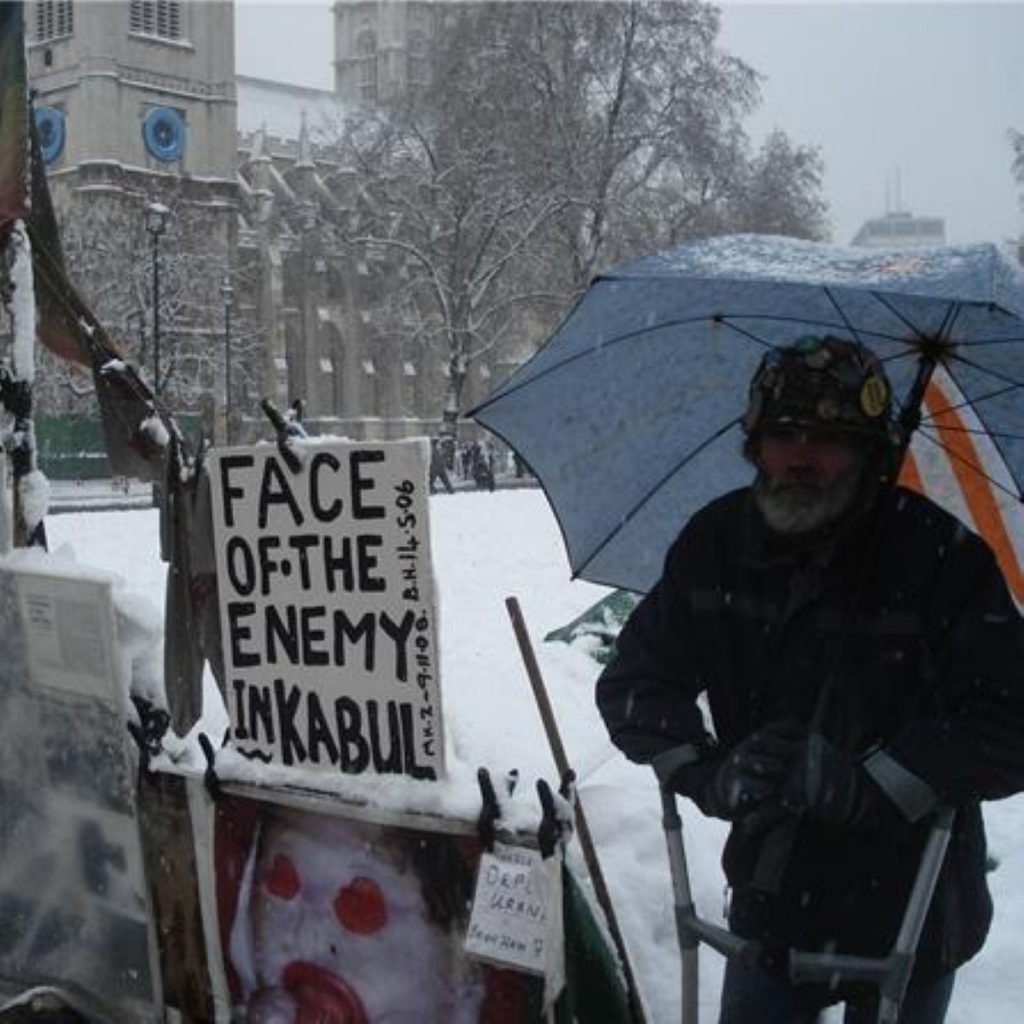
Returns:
point(733, 784)
point(828, 784)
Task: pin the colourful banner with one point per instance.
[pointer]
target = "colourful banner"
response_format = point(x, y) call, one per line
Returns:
point(13, 115)
point(956, 463)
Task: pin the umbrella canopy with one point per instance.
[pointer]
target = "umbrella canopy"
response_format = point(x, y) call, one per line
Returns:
point(630, 414)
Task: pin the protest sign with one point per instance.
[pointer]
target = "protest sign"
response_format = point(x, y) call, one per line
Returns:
point(327, 607)
point(73, 898)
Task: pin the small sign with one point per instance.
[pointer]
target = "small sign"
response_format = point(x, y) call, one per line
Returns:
point(327, 606)
point(516, 920)
point(69, 634)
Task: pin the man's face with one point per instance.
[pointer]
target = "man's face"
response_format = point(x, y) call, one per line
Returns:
point(808, 478)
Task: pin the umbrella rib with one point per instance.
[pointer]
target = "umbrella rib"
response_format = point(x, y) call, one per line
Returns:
point(727, 322)
point(909, 324)
point(810, 323)
point(1011, 381)
point(950, 454)
point(969, 403)
point(835, 305)
point(949, 321)
point(689, 456)
point(933, 423)
point(905, 353)
point(977, 342)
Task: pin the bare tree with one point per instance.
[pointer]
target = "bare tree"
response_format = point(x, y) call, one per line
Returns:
point(637, 108)
point(445, 193)
point(554, 139)
point(779, 192)
point(109, 255)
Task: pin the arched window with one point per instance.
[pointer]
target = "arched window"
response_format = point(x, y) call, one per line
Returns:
point(366, 64)
point(417, 67)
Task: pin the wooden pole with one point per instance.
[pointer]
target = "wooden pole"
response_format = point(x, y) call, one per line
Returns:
point(582, 829)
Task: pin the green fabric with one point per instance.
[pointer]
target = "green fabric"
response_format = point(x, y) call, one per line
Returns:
point(595, 992)
point(601, 621)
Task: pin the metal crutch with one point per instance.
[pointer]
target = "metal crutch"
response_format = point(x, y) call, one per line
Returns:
point(890, 973)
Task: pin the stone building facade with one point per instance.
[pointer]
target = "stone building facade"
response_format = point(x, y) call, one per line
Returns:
point(136, 110)
point(315, 298)
point(138, 102)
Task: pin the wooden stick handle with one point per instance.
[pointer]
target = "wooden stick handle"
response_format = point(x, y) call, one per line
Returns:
point(582, 829)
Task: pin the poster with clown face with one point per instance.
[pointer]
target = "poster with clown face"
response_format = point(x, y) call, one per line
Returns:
point(346, 920)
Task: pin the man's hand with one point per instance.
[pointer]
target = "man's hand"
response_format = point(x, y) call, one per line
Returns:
point(828, 784)
point(732, 785)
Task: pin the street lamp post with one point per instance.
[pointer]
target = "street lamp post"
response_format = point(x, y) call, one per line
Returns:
point(156, 225)
point(227, 293)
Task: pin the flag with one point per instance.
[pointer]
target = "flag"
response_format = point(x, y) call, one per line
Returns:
point(13, 116)
point(958, 465)
point(66, 325)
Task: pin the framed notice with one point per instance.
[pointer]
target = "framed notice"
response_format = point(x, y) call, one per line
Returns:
point(327, 606)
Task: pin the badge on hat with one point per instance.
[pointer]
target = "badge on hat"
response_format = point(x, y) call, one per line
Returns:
point(874, 396)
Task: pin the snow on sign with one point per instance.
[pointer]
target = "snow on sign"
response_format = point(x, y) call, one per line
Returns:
point(327, 606)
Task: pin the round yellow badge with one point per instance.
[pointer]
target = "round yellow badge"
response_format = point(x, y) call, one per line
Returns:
point(873, 395)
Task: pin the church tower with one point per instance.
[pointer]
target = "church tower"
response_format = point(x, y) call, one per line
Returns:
point(381, 46)
point(135, 106)
point(134, 89)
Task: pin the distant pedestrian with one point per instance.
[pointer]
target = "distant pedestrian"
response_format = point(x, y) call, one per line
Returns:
point(482, 467)
point(438, 469)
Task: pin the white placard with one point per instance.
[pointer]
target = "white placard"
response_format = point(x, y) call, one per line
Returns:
point(69, 634)
point(516, 920)
point(327, 606)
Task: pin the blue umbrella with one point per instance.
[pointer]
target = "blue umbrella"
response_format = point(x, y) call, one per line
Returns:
point(630, 414)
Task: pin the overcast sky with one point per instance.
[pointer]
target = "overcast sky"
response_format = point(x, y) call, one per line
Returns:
point(910, 103)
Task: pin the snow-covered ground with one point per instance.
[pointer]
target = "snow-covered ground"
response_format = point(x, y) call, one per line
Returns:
point(488, 547)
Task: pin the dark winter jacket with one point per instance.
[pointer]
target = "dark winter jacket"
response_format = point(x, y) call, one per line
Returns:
point(907, 615)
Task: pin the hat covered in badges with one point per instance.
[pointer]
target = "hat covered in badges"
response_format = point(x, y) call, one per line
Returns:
point(824, 383)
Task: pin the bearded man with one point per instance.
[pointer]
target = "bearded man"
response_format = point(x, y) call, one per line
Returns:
point(862, 663)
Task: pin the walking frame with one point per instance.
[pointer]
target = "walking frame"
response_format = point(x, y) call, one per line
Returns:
point(890, 973)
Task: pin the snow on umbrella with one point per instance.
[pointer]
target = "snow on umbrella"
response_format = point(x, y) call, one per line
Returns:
point(630, 414)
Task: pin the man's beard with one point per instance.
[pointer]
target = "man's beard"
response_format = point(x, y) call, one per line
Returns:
point(795, 506)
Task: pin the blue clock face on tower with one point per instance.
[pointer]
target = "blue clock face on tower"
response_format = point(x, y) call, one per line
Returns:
point(50, 129)
point(163, 131)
